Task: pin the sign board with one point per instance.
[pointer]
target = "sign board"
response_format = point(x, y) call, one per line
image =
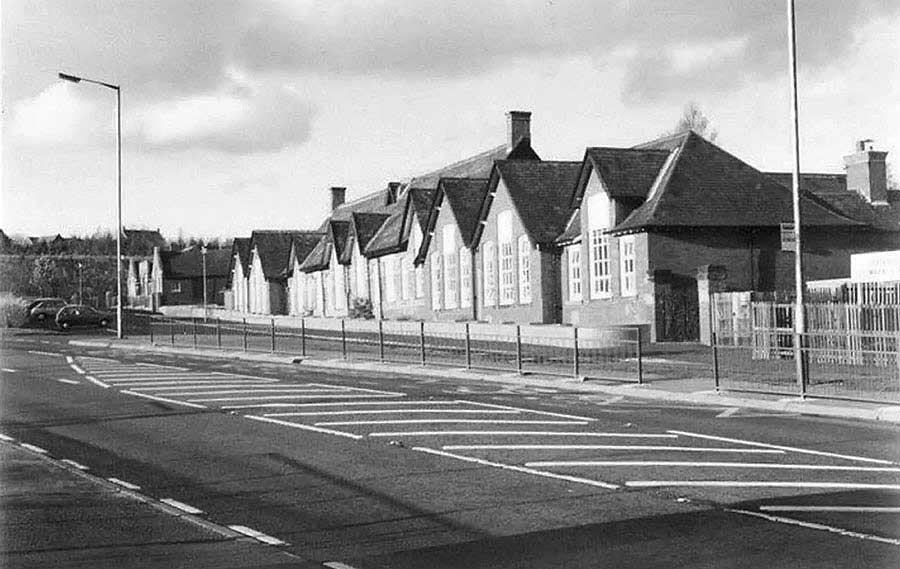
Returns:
point(880, 267)
point(788, 239)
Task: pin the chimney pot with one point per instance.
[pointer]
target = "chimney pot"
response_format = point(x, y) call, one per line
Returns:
point(338, 195)
point(518, 125)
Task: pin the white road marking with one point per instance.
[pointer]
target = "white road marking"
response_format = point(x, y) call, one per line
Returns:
point(145, 364)
point(34, 448)
point(395, 411)
point(838, 509)
point(811, 525)
point(181, 506)
point(520, 409)
point(124, 484)
point(760, 484)
point(304, 427)
point(69, 381)
point(258, 536)
point(353, 404)
point(6, 438)
point(77, 465)
point(519, 433)
point(673, 463)
point(781, 447)
point(96, 381)
point(728, 412)
point(362, 389)
point(157, 377)
point(612, 447)
point(70, 359)
point(513, 468)
point(249, 391)
point(337, 565)
point(164, 400)
point(169, 385)
point(40, 353)
point(422, 421)
point(78, 369)
point(266, 397)
point(7, 370)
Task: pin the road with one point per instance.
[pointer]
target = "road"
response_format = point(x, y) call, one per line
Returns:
point(380, 471)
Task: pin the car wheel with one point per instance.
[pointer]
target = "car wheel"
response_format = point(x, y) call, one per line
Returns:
point(104, 323)
point(41, 317)
point(64, 325)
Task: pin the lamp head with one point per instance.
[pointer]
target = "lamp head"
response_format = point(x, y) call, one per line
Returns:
point(71, 78)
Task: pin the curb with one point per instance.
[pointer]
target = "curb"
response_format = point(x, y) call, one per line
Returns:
point(820, 408)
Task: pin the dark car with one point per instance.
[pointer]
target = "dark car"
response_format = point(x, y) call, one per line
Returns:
point(42, 309)
point(74, 315)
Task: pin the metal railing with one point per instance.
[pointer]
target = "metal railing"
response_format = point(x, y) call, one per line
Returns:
point(861, 366)
point(610, 354)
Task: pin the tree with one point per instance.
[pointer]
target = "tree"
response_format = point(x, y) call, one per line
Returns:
point(693, 119)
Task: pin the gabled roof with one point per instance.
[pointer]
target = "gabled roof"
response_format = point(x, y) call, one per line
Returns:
point(319, 258)
point(540, 193)
point(390, 236)
point(339, 234)
point(274, 249)
point(625, 172)
point(364, 226)
point(477, 166)
point(703, 185)
point(240, 247)
point(464, 196)
point(188, 264)
point(832, 190)
point(422, 200)
point(142, 241)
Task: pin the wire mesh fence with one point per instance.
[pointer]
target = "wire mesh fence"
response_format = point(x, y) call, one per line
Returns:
point(862, 366)
point(607, 354)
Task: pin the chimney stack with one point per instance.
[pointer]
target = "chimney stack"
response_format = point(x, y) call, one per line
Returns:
point(337, 197)
point(867, 172)
point(393, 192)
point(518, 126)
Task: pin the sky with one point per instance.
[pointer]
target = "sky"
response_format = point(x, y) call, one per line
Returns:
point(240, 115)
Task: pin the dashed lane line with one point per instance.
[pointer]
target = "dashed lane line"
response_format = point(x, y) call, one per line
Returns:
point(304, 427)
point(74, 464)
point(781, 447)
point(40, 353)
point(812, 525)
point(187, 508)
point(8, 370)
point(160, 366)
point(124, 484)
point(69, 381)
point(521, 434)
point(760, 484)
point(613, 447)
point(676, 463)
point(257, 535)
point(394, 412)
point(833, 509)
point(6, 438)
point(96, 381)
point(268, 397)
point(535, 411)
point(164, 400)
point(467, 421)
point(34, 448)
point(522, 469)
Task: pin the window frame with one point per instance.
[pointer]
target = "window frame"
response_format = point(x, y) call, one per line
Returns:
point(524, 270)
point(628, 265)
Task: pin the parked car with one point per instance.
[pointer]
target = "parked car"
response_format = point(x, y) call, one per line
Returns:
point(75, 315)
point(42, 309)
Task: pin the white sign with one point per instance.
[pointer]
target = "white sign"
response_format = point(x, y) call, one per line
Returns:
point(880, 267)
point(788, 238)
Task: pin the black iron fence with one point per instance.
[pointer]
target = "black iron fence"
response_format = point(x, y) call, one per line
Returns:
point(860, 366)
point(612, 354)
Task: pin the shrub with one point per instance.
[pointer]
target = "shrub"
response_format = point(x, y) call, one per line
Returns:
point(361, 308)
point(12, 311)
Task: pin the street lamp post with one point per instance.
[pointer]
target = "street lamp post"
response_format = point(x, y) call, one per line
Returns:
point(205, 310)
point(76, 79)
point(80, 283)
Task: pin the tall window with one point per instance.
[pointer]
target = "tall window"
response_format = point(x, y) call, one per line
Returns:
point(329, 289)
point(465, 277)
point(598, 245)
point(626, 259)
point(390, 288)
point(435, 281)
point(420, 281)
point(524, 270)
point(573, 253)
point(451, 267)
point(507, 272)
point(362, 277)
point(340, 291)
point(489, 254)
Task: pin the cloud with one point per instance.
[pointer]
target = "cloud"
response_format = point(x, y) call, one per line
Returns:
point(60, 116)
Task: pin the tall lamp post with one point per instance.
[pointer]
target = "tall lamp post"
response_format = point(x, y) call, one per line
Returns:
point(205, 310)
point(76, 79)
point(799, 316)
point(80, 283)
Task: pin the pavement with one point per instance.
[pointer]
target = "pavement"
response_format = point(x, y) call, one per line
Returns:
point(57, 514)
point(689, 390)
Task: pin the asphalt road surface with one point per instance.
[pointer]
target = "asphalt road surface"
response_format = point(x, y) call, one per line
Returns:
point(378, 471)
